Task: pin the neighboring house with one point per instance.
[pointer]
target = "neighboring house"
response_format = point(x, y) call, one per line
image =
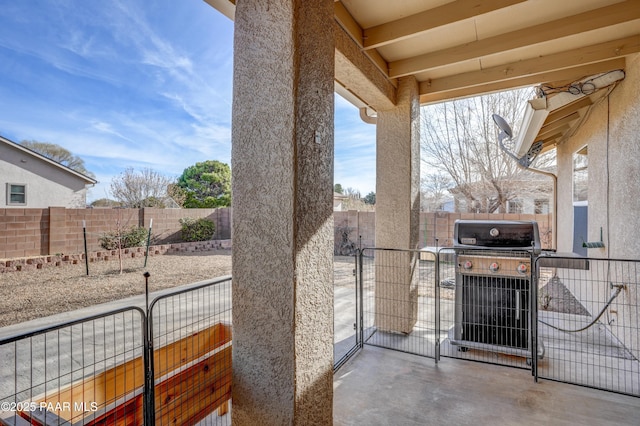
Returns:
point(534, 197)
point(339, 201)
point(31, 180)
point(444, 203)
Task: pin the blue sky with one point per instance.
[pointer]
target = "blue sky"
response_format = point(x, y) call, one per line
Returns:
point(136, 83)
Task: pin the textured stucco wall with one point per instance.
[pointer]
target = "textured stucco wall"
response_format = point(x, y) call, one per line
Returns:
point(398, 209)
point(282, 160)
point(398, 170)
point(612, 134)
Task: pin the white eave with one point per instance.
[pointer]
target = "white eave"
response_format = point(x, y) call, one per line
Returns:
point(554, 117)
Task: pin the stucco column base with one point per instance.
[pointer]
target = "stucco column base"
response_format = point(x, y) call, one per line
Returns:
point(282, 179)
point(396, 293)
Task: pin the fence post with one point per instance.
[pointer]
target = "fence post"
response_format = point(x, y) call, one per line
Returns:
point(360, 306)
point(57, 230)
point(436, 289)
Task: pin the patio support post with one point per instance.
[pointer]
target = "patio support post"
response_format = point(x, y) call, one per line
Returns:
point(282, 163)
point(397, 210)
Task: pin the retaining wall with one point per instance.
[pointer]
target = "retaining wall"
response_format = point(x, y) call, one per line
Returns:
point(42, 262)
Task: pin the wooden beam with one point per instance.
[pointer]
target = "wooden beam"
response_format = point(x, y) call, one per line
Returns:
point(414, 25)
point(559, 123)
point(566, 74)
point(571, 58)
point(543, 134)
point(348, 23)
point(358, 73)
point(570, 25)
point(568, 109)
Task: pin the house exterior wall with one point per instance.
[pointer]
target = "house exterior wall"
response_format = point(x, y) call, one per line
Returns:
point(612, 134)
point(46, 185)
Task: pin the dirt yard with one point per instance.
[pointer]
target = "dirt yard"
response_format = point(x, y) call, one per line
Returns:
point(38, 293)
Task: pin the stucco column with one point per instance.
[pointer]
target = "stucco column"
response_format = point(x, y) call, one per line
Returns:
point(398, 210)
point(282, 167)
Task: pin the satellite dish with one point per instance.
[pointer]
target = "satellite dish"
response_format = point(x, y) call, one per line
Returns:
point(503, 125)
point(506, 133)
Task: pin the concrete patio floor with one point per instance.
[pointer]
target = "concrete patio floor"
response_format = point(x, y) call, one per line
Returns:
point(384, 387)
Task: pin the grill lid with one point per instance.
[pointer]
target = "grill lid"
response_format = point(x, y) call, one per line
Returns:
point(497, 234)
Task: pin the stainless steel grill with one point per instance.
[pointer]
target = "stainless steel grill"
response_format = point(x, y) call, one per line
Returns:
point(494, 285)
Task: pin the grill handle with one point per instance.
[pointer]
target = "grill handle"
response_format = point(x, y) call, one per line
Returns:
point(517, 305)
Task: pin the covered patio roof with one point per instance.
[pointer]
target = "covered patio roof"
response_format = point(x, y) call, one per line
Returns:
point(464, 48)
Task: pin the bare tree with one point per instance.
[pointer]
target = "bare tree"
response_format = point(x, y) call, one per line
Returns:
point(355, 200)
point(146, 188)
point(58, 154)
point(459, 139)
point(434, 188)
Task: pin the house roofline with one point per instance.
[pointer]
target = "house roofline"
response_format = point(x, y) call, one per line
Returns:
point(13, 144)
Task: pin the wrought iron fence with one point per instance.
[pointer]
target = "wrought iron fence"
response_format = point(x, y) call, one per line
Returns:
point(170, 365)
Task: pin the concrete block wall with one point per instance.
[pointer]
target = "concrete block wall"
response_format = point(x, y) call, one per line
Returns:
point(58, 231)
point(433, 225)
point(23, 232)
point(440, 225)
point(361, 224)
point(166, 222)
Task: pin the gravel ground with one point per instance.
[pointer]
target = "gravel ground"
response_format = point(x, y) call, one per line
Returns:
point(33, 294)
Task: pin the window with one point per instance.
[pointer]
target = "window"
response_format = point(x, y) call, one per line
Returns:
point(515, 206)
point(16, 194)
point(580, 175)
point(541, 206)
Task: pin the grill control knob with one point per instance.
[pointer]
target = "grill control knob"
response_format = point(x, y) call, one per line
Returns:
point(522, 268)
point(494, 267)
point(494, 232)
point(467, 265)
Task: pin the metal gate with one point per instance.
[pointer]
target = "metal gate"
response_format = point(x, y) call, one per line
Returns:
point(588, 320)
point(583, 315)
point(169, 364)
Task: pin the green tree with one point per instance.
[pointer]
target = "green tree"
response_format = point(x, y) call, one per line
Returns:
point(105, 202)
point(206, 184)
point(370, 198)
point(58, 154)
point(337, 188)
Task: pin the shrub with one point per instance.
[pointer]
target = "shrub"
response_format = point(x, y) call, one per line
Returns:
point(132, 237)
point(197, 229)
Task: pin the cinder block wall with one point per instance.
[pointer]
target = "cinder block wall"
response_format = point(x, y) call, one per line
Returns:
point(57, 230)
point(23, 232)
point(433, 225)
